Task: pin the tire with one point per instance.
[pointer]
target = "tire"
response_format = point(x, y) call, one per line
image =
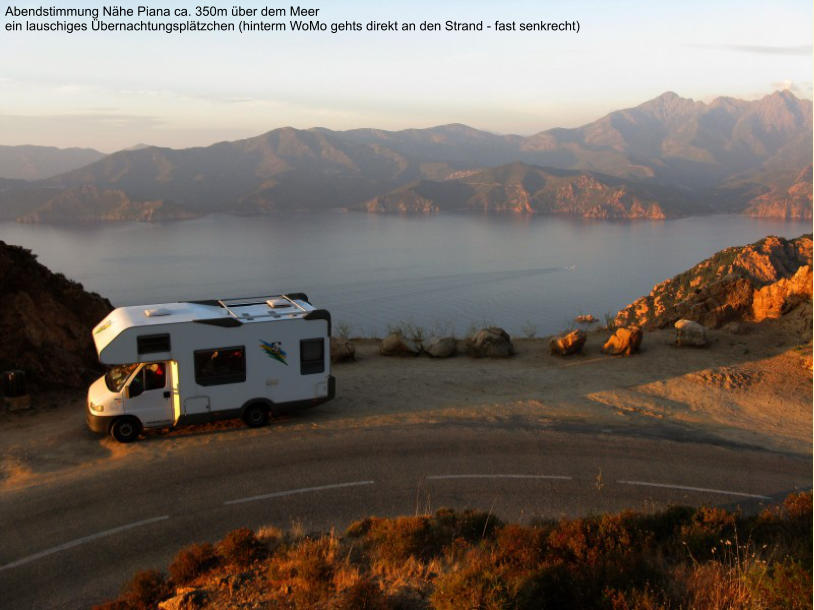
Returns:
point(256, 415)
point(125, 429)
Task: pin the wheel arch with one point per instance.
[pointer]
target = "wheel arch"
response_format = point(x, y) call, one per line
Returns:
point(268, 404)
point(118, 418)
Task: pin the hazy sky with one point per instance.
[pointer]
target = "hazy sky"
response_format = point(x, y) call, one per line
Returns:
point(114, 90)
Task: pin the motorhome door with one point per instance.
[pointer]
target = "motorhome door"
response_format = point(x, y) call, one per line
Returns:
point(149, 395)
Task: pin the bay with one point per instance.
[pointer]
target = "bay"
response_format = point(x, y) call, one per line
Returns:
point(444, 273)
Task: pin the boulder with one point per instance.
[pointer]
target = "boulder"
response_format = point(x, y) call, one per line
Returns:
point(342, 350)
point(568, 343)
point(185, 598)
point(442, 347)
point(396, 344)
point(492, 342)
point(690, 333)
point(625, 341)
point(585, 318)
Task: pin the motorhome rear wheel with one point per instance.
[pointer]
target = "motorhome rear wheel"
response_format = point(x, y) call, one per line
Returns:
point(256, 415)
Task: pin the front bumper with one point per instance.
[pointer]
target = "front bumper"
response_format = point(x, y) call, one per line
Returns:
point(98, 423)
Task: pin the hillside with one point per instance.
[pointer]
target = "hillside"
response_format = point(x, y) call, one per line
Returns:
point(39, 162)
point(744, 283)
point(524, 189)
point(90, 204)
point(720, 155)
point(46, 322)
point(793, 202)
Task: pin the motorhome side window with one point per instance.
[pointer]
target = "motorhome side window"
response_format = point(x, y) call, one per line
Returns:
point(312, 356)
point(220, 366)
point(151, 344)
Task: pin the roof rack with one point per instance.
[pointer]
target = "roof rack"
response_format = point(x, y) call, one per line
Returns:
point(228, 304)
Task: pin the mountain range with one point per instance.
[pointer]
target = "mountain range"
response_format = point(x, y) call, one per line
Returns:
point(670, 156)
point(37, 162)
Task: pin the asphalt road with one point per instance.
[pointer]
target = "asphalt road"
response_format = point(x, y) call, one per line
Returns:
point(72, 544)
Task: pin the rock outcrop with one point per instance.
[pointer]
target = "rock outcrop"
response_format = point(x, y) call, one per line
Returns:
point(690, 333)
point(396, 344)
point(585, 318)
point(442, 347)
point(342, 350)
point(745, 283)
point(492, 342)
point(624, 342)
point(793, 203)
point(46, 322)
point(568, 343)
point(519, 188)
point(775, 299)
point(91, 204)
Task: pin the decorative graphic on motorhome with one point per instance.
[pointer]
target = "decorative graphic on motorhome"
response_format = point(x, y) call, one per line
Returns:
point(274, 350)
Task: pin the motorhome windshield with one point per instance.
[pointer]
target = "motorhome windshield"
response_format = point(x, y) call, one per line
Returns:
point(117, 375)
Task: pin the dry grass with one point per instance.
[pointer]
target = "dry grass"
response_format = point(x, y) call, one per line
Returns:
point(678, 558)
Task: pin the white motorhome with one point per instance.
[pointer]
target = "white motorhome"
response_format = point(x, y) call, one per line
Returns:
point(196, 361)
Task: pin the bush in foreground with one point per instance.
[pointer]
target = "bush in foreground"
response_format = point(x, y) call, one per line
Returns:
point(678, 558)
point(193, 561)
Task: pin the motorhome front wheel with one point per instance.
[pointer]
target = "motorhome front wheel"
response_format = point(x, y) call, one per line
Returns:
point(125, 429)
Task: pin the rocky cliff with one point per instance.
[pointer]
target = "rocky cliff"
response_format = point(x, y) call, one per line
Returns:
point(752, 283)
point(789, 203)
point(46, 322)
point(519, 188)
point(91, 204)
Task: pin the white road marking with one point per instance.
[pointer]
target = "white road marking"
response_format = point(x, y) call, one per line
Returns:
point(703, 489)
point(302, 490)
point(78, 541)
point(498, 476)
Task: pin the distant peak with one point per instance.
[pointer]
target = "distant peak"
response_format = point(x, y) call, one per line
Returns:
point(783, 96)
point(669, 104)
point(455, 127)
point(668, 95)
point(138, 146)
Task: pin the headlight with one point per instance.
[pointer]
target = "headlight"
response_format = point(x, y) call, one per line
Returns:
point(98, 408)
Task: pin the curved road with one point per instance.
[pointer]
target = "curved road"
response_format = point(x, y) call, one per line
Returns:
point(73, 544)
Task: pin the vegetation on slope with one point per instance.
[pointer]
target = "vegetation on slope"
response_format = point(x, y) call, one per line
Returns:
point(679, 558)
point(46, 322)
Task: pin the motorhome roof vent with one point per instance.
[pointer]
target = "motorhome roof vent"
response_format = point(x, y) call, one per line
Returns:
point(278, 303)
point(159, 311)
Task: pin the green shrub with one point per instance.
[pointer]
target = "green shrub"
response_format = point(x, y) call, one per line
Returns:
point(240, 547)
point(146, 589)
point(477, 583)
point(363, 595)
point(521, 546)
point(306, 572)
point(395, 540)
point(709, 532)
point(360, 528)
point(553, 585)
point(784, 584)
point(192, 561)
point(471, 525)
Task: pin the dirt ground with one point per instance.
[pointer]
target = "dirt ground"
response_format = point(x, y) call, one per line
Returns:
point(751, 388)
